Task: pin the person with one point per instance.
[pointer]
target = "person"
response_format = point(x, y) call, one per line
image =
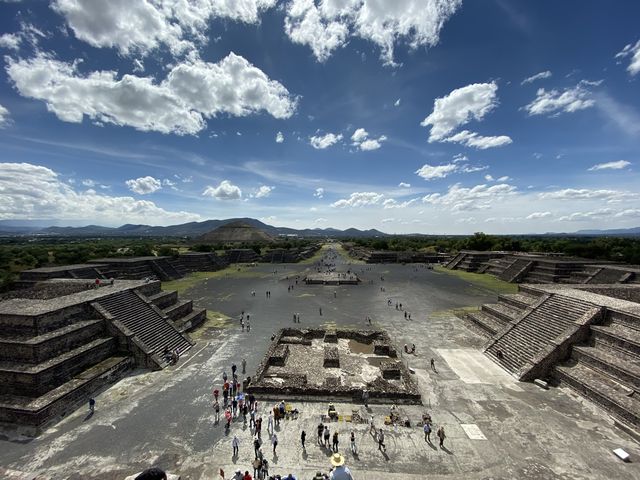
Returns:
point(303, 437)
point(216, 392)
point(256, 446)
point(331, 412)
point(259, 427)
point(320, 308)
point(234, 405)
point(433, 365)
point(270, 422)
point(248, 324)
point(265, 468)
point(289, 477)
point(153, 473)
point(354, 449)
point(413, 348)
point(238, 475)
point(224, 376)
point(441, 435)
point(335, 441)
point(365, 398)
point(257, 464)
point(372, 427)
point(216, 408)
point(247, 476)
point(320, 430)
point(327, 435)
point(233, 369)
point(235, 443)
point(427, 432)
point(92, 405)
point(227, 416)
point(340, 471)
point(381, 445)
point(274, 441)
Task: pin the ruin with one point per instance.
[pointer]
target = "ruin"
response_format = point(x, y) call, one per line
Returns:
point(334, 364)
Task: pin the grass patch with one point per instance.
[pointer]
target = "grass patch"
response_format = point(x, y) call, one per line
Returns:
point(214, 321)
point(315, 257)
point(234, 271)
point(480, 280)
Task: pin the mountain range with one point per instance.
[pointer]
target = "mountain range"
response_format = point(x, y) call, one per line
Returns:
point(191, 229)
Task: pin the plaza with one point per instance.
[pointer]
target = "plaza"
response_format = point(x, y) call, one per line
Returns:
point(496, 426)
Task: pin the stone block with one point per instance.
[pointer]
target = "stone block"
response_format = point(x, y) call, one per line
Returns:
point(331, 357)
point(279, 356)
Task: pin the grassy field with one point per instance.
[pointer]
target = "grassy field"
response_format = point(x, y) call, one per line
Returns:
point(481, 280)
point(233, 271)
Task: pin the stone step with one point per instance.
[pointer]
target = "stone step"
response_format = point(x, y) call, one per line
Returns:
point(490, 325)
point(192, 320)
point(620, 336)
point(179, 309)
point(602, 390)
point(163, 299)
point(502, 311)
point(39, 411)
point(518, 300)
point(611, 361)
point(34, 380)
point(48, 345)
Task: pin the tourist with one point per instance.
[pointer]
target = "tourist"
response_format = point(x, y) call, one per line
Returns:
point(244, 365)
point(320, 430)
point(246, 475)
point(216, 392)
point(252, 418)
point(303, 437)
point(224, 376)
point(381, 445)
point(335, 441)
point(413, 348)
point(227, 416)
point(248, 324)
point(270, 423)
point(256, 464)
point(92, 405)
point(256, 446)
point(265, 468)
point(289, 477)
point(274, 441)
point(216, 408)
point(153, 473)
point(242, 324)
point(234, 368)
point(238, 475)
point(365, 398)
point(433, 365)
point(441, 435)
point(427, 432)
point(372, 427)
point(340, 471)
point(235, 443)
point(234, 406)
point(327, 435)
point(320, 308)
point(259, 427)
point(354, 449)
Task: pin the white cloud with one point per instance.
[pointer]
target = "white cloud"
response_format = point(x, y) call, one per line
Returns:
point(504, 178)
point(429, 172)
point(144, 185)
point(328, 25)
point(537, 76)
point(459, 107)
point(634, 52)
point(5, 120)
point(87, 182)
point(143, 25)
point(488, 178)
point(225, 191)
point(319, 193)
point(10, 41)
point(479, 197)
point(360, 139)
point(617, 165)
point(584, 216)
point(396, 103)
point(404, 185)
point(359, 199)
point(324, 141)
point(472, 139)
point(359, 136)
point(190, 93)
point(30, 191)
point(473, 168)
point(392, 203)
point(388, 220)
point(279, 137)
point(610, 196)
point(264, 191)
point(554, 102)
point(458, 158)
point(538, 215)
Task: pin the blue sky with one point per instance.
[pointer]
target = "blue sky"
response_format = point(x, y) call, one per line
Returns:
point(429, 116)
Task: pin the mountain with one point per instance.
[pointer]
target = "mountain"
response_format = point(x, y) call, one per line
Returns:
point(236, 232)
point(615, 231)
point(191, 230)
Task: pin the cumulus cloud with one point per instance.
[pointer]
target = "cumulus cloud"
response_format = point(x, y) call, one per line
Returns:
point(264, 191)
point(191, 92)
point(321, 142)
point(10, 41)
point(144, 185)
point(328, 25)
point(590, 215)
point(488, 178)
point(225, 191)
point(5, 120)
point(140, 26)
point(30, 191)
point(538, 215)
point(396, 103)
point(555, 102)
point(458, 108)
point(361, 140)
point(392, 203)
point(279, 137)
point(632, 51)
point(537, 76)
point(472, 139)
point(319, 193)
point(480, 197)
point(404, 185)
point(429, 172)
point(359, 199)
point(617, 165)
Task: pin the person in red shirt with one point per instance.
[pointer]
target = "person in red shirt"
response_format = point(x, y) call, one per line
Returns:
point(247, 475)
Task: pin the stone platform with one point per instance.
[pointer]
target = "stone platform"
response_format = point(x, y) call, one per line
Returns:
point(332, 278)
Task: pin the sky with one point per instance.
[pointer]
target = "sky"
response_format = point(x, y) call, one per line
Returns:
point(411, 116)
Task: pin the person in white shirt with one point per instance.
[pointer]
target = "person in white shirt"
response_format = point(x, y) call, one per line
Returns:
point(340, 470)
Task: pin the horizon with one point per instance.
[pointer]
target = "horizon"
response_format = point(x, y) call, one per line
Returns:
point(495, 117)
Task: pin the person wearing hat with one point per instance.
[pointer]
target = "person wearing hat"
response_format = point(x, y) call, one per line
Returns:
point(340, 471)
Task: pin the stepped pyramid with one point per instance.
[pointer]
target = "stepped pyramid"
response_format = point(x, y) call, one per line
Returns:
point(235, 232)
